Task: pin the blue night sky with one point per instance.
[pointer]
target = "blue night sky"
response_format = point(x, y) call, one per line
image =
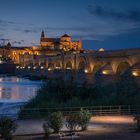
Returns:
point(111, 24)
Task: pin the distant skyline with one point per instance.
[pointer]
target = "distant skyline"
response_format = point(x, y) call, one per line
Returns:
point(111, 24)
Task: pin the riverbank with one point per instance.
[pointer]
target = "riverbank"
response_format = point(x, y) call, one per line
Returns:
point(99, 128)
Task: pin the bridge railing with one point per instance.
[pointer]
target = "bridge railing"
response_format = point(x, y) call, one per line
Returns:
point(95, 110)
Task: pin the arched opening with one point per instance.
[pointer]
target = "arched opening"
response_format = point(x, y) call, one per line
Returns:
point(42, 62)
point(50, 66)
point(26, 53)
point(98, 66)
point(135, 71)
point(57, 65)
point(122, 67)
point(81, 66)
point(69, 65)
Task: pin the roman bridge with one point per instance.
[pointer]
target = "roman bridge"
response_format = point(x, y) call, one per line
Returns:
point(111, 62)
point(115, 62)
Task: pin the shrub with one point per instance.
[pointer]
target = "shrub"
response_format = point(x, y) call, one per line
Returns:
point(55, 121)
point(46, 129)
point(7, 127)
point(72, 122)
point(137, 119)
point(84, 117)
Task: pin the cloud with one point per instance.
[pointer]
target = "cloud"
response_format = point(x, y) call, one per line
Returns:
point(5, 23)
point(15, 26)
point(130, 14)
point(27, 31)
point(18, 42)
point(97, 30)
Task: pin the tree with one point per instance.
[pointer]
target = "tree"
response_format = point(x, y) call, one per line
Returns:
point(7, 127)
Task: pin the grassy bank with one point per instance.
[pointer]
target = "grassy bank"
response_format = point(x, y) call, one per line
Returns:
point(59, 94)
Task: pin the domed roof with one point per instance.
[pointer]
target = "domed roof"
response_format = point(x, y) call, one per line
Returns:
point(65, 35)
point(101, 50)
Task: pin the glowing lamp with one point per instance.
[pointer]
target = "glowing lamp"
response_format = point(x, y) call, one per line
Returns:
point(1, 62)
point(57, 67)
point(104, 72)
point(42, 67)
point(101, 50)
point(68, 68)
point(135, 73)
point(34, 68)
point(29, 67)
point(17, 67)
point(86, 71)
point(49, 69)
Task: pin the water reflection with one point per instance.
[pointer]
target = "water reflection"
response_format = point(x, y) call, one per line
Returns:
point(17, 89)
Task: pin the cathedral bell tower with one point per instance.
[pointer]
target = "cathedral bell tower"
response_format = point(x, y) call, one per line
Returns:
point(42, 34)
point(42, 38)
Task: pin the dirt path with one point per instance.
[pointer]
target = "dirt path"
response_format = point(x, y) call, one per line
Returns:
point(100, 128)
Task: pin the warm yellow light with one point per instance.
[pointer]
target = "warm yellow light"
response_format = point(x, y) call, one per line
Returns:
point(29, 67)
point(17, 67)
point(34, 68)
point(57, 67)
point(68, 68)
point(23, 67)
point(101, 50)
point(36, 53)
point(34, 47)
point(1, 62)
point(49, 69)
point(135, 73)
point(42, 67)
point(104, 72)
point(86, 71)
point(14, 52)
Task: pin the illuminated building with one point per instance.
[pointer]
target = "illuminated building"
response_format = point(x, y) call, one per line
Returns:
point(63, 43)
point(47, 47)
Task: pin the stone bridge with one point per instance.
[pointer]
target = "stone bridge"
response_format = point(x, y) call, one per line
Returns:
point(110, 63)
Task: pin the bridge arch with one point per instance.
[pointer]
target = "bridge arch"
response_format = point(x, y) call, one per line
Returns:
point(84, 64)
point(57, 65)
point(81, 65)
point(26, 53)
point(122, 67)
point(50, 66)
point(68, 65)
point(42, 62)
point(97, 66)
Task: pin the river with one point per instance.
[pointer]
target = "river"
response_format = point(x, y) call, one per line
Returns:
point(15, 92)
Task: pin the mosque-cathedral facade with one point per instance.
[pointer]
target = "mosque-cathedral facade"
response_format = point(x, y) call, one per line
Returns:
point(47, 47)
